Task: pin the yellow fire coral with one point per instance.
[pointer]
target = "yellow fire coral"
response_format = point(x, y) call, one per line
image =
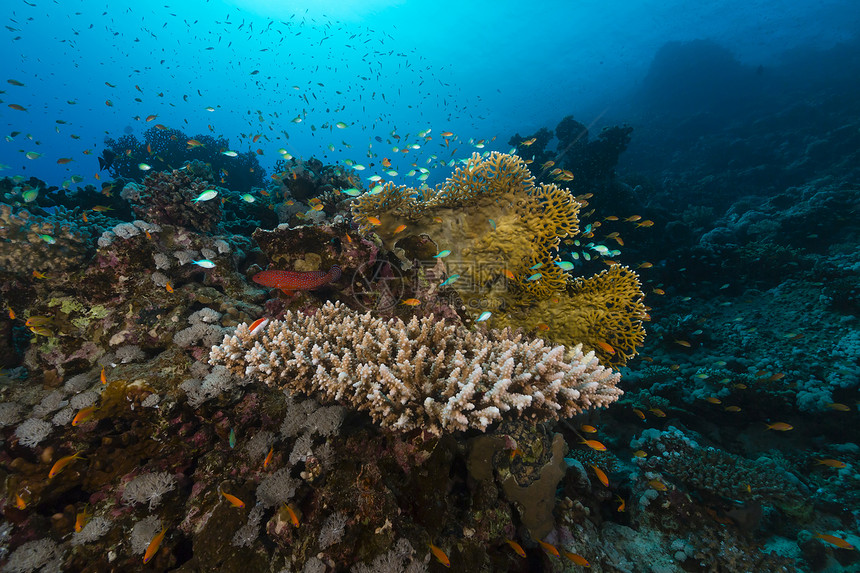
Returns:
point(604, 313)
point(503, 234)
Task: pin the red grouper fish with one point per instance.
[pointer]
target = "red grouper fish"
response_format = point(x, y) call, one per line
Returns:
point(291, 281)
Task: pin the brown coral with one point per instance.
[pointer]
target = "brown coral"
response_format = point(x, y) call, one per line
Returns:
point(167, 198)
point(424, 374)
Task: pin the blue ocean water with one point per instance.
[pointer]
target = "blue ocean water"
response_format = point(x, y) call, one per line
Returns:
point(199, 201)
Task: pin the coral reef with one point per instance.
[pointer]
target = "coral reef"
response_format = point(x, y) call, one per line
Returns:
point(29, 242)
point(168, 198)
point(167, 149)
point(419, 375)
point(502, 234)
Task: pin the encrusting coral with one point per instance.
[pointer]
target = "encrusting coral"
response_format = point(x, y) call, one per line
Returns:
point(168, 198)
point(502, 233)
point(29, 242)
point(423, 374)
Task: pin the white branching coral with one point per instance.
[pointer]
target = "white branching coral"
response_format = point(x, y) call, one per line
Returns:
point(424, 374)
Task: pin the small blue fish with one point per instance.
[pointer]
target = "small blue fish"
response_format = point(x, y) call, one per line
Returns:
point(537, 266)
point(534, 277)
point(442, 254)
point(564, 265)
point(450, 280)
point(493, 224)
point(205, 263)
point(484, 316)
point(231, 439)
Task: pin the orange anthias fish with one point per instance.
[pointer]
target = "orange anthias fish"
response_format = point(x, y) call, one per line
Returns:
point(234, 501)
point(516, 547)
point(549, 548)
point(152, 549)
point(81, 520)
point(832, 463)
point(291, 281)
point(658, 485)
point(292, 513)
point(439, 555)
point(594, 445)
point(780, 427)
point(833, 540)
point(605, 347)
point(84, 414)
point(268, 459)
point(601, 475)
point(62, 463)
point(411, 302)
point(622, 505)
point(577, 559)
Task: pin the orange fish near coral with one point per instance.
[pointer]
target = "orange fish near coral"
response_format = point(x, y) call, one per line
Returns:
point(234, 501)
point(440, 555)
point(832, 463)
point(658, 485)
point(605, 347)
point(549, 548)
point(152, 549)
point(291, 281)
point(81, 520)
point(293, 517)
point(780, 427)
point(62, 463)
point(601, 475)
point(84, 414)
point(257, 325)
point(577, 559)
point(594, 445)
point(833, 540)
point(516, 547)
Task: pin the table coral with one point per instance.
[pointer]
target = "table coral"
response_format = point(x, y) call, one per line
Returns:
point(423, 374)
